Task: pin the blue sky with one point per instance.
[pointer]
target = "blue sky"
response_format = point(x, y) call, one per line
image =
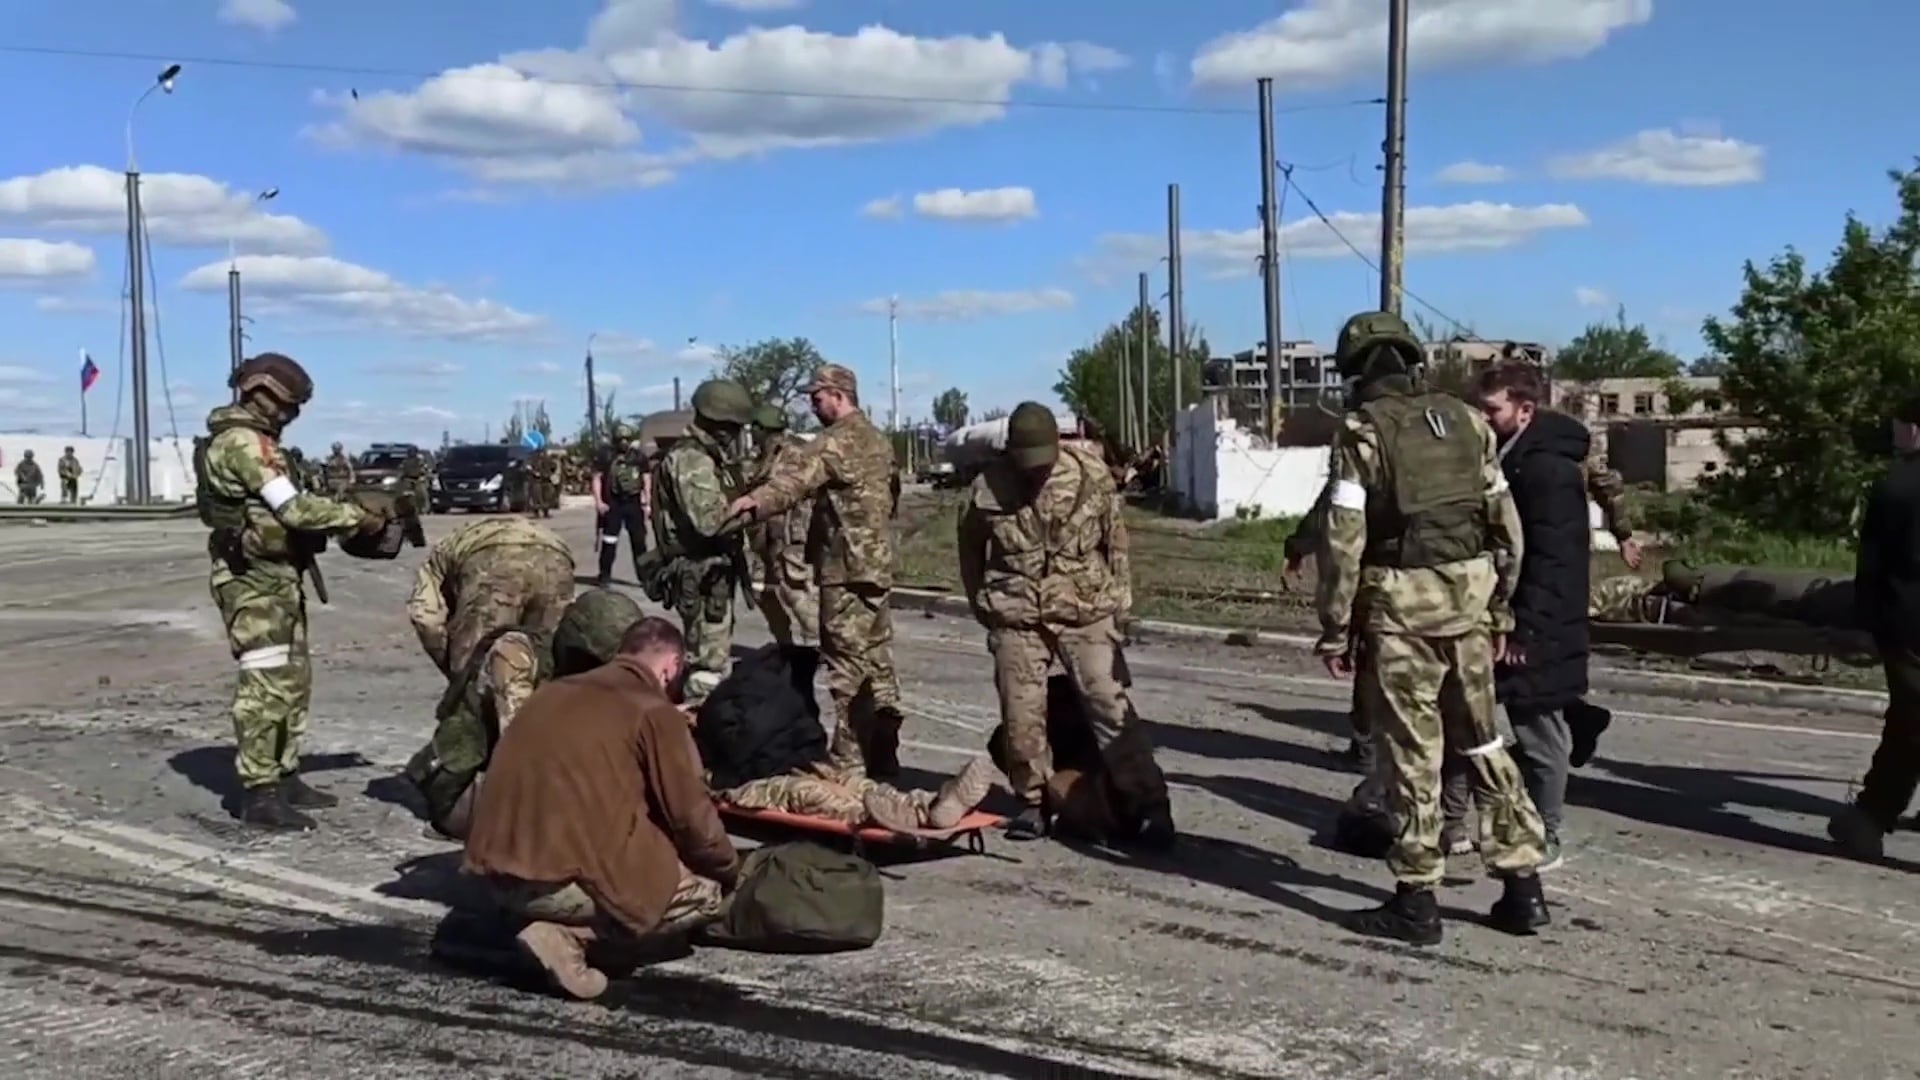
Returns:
point(443, 244)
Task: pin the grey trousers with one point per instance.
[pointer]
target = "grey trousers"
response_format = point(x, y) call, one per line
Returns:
point(1543, 745)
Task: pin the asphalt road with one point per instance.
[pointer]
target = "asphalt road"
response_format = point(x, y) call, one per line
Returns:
point(1703, 928)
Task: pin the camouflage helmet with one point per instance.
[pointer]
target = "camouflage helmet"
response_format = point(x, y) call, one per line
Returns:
point(1033, 436)
point(768, 418)
point(723, 401)
point(591, 628)
point(280, 376)
point(1371, 330)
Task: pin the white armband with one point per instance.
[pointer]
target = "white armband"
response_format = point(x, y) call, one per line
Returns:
point(1348, 495)
point(278, 492)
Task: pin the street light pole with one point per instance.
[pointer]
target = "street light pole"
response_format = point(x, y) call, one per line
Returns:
point(236, 337)
point(593, 397)
point(142, 489)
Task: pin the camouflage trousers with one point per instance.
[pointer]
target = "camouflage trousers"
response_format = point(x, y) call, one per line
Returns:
point(826, 791)
point(1425, 694)
point(696, 902)
point(1456, 792)
point(1619, 599)
point(512, 585)
point(856, 644)
point(69, 491)
point(789, 600)
point(705, 607)
point(265, 614)
point(1094, 662)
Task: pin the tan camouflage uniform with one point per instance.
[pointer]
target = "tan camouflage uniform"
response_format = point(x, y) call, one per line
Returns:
point(1049, 578)
point(486, 576)
point(1428, 638)
point(70, 471)
point(848, 470)
point(789, 601)
point(339, 472)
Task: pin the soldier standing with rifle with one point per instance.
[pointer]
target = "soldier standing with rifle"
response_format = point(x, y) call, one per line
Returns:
point(265, 532)
point(622, 489)
point(698, 562)
point(1886, 592)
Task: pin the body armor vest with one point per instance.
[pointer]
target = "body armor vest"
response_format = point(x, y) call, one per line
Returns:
point(1431, 462)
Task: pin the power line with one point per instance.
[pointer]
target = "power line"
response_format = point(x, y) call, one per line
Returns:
point(680, 88)
point(1287, 175)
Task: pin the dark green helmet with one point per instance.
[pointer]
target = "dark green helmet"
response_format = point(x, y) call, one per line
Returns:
point(1371, 330)
point(591, 628)
point(768, 418)
point(723, 401)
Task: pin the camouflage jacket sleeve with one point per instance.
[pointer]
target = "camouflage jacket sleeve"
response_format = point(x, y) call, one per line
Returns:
point(699, 491)
point(1119, 558)
point(1350, 468)
point(1305, 539)
point(1504, 535)
point(1608, 491)
point(427, 607)
point(973, 553)
point(254, 463)
point(800, 475)
point(512, 673)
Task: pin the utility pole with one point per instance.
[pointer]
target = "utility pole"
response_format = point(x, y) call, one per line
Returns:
point(893, 360)
point(1278, 398)
point(1176, 310)
point(236, 334)
point(142, 490)
point(1393, 200)
point(676, 393)
point(593, 397)
point(1146, 364)
point(1123, 403)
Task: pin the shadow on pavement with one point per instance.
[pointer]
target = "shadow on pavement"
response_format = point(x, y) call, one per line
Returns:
point(1240, 746)
point(210, 768)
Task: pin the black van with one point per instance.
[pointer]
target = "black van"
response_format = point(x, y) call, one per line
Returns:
point(487, 476)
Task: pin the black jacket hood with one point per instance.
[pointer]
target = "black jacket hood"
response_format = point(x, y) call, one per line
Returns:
point(1554, 433)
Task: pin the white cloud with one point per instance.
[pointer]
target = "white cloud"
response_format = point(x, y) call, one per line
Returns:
point(623, 346)
point(997, 205)
point(266, 16)
point(182, 209)
point(368, 299)
point(1474, 226)
point(1323, 43)
point(1664, 156)
point(416, 369)
point(527, 118)
point(759, 5)
point(697, 352)
point(543, 367)
point(887, 209)
point(182, 395)
point(429, 412)
point(604, 380)
point(41, 260)
point(73, 305)
point(14, 374)
point(963, 304)
point(1474, 172)
point(1588, 296)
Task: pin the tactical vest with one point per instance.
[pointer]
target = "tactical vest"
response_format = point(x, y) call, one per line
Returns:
point(1430, 458)
point(220, 512)
point(624, 473)
point(467, 728)
point(672, 535)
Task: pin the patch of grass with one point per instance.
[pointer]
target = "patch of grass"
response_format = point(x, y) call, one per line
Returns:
point(1687, 528)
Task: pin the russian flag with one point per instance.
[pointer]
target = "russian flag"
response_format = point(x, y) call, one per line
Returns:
point(89, 373)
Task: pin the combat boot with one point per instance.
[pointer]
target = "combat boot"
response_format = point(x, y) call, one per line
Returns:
point(1858, 834)
point(1412, 916)
point(562, 954)
point(300, 796)
point(1157, 832)
point(882, 751)
point(961, 794)
point(892, 809)
point(1028, 824)
point(1522, 909)
point(265, 807)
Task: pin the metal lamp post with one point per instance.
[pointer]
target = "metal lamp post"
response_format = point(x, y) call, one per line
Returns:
point(137, 297)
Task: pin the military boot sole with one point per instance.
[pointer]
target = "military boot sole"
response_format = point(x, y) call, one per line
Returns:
point(1386, 923)
point(273, 815)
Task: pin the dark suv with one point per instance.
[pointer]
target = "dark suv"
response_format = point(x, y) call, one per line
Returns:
point(485, 477)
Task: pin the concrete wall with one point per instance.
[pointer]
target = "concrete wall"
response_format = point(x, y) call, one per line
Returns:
point(1673, 455)
point(1218, 469)
point(104, 480)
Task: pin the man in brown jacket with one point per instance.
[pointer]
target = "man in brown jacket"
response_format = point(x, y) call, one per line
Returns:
point(595, 822)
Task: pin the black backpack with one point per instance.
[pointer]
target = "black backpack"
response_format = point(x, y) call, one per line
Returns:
point(802, 898)
point(759, 722)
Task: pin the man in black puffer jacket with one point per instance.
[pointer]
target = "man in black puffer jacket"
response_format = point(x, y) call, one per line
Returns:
point(1543, 454)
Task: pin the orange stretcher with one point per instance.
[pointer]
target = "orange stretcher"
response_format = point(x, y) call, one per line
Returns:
point(971, 830)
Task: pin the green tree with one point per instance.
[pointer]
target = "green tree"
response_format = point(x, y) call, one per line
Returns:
point(515, 427)
point(1614, 350)
point(1815, 359)
point(538, 420)
point(774, 371)
point(1708, 366)
point(993, 414)
point(950, 408)
point(1090, 383)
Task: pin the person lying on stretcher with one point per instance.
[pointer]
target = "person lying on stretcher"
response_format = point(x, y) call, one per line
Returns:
point(763, 748)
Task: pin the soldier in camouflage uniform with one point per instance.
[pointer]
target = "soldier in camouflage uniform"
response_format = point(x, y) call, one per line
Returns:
point(788, 600)
point(338, 471)
point(413, 476)
point(622, 492)
point(484, 576)
point(263, 530)
point(490, 685)
point(1043, 559)
point(28, 479)
point(69, 469)
point(850, 473)
point(698, 562)
point(1422, 532)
